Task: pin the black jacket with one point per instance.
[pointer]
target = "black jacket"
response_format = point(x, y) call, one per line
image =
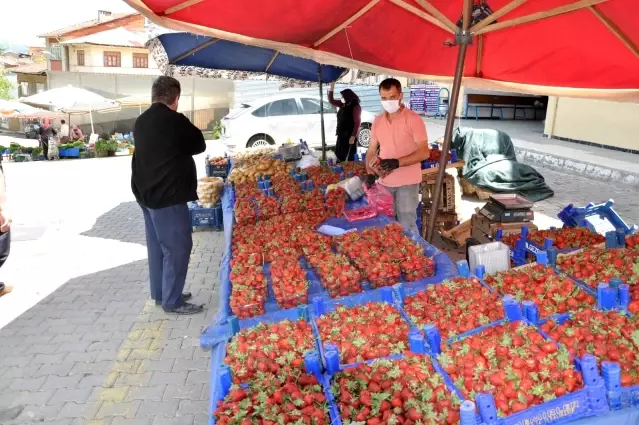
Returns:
point(163, 170)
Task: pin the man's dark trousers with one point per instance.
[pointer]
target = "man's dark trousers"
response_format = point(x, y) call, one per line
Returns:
point(169, 243)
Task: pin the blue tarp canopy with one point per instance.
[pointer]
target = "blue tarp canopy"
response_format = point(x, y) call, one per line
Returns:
point(185, 50)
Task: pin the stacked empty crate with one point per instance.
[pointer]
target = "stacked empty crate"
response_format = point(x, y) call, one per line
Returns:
point(446, 214)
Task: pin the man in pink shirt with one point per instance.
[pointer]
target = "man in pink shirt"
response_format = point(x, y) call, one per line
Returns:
point(399, 144)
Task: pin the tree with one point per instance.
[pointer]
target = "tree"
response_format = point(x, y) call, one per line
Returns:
point(5, 86)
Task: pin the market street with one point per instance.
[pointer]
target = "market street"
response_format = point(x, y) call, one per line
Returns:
point(87, 345)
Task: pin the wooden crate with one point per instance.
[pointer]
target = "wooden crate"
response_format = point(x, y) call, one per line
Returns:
point(469, 190)
point(489, 228)
point(447, 195)
point(444, 221)
point(458, 234)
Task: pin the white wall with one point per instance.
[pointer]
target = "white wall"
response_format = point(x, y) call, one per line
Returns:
point(94, 60)
point(598, 121)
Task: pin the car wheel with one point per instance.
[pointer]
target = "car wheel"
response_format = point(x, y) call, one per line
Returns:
point(364, 135)
point(260, 141)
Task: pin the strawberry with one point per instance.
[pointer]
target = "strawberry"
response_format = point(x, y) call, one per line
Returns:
point(514, 363)
point(553, 293)
point(364, 332)
point(455, 306)
point(413, 391)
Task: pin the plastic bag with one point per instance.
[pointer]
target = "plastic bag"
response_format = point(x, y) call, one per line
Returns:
point(209, 191)
point(361, 213)
point(380, 199)
point(309, 160)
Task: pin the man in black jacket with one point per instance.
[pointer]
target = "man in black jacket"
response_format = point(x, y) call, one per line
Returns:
point(163, 180)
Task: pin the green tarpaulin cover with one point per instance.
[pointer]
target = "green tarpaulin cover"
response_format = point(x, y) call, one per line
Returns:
point(491, 163)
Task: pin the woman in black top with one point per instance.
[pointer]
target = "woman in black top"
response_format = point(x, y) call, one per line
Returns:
point(46, 132)
point(349, 117)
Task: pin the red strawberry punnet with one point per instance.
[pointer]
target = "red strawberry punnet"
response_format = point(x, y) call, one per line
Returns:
point(609, 336)
point(595, 265)
point(514, 363)
point(553, 293)
point(277, 349)
point(416, 267)
point(337, 274)
point(245, 212)
point(364, 332)
point(455, 306)
point(289, 282)
point(405, 391)
point(249, 290)
point(336, 201)
point(293, 399)
point(564, 238)
point(267, 207)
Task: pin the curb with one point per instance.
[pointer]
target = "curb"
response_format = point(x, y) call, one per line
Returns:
point(571, 166)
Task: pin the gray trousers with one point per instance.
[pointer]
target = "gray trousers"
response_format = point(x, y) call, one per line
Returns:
point(406, 200)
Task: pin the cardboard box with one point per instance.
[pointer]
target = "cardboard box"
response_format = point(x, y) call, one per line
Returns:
point(489, 228)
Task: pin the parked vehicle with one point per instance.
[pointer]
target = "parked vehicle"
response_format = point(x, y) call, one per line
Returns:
point(32, 131)
point(274, 120)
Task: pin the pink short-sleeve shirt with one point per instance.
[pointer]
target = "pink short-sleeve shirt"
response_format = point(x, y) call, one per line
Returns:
point(397, 139)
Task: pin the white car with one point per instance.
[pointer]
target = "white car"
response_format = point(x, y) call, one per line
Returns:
point(274, 120)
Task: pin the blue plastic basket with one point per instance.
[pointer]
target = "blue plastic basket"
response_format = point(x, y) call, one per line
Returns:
point(600, 218)
point(329, 353)
point(589, 401)
point(206, 217)
point(214, 170)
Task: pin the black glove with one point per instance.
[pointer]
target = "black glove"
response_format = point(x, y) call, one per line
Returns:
point(370, 180)
point(389, 164)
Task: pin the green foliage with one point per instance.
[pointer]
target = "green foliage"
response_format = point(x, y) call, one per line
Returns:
point(217, 130)
point(5, 86)
point(15, 147)
point(106, 145)
point(36, 152)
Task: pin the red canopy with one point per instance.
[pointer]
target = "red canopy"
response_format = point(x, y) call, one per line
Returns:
point(565, 46)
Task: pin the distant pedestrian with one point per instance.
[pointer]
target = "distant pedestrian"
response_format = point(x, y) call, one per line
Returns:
point(64, 131)
point(349, 118)
point(163, 180)
point(76, 133)
point(47, 133)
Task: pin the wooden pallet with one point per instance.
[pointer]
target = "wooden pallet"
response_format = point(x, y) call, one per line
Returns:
point(444, 221)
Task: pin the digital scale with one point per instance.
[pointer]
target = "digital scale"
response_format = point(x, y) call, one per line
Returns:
point(508, 208)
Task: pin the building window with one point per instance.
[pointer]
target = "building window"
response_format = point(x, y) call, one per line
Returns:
point(80, 55)
point(56, 51)
point(140, 60)
point(112, 59)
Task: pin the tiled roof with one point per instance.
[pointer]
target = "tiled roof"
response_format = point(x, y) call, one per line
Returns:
point(85, 25)
point(34, 68)
point(115, 37)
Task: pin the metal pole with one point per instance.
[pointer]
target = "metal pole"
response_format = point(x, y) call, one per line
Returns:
point(321, 89)
point(450, 119)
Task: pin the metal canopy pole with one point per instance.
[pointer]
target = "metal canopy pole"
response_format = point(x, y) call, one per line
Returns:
point(463, 38)
point(321, 89)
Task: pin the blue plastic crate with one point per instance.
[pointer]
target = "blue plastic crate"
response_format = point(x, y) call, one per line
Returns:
point(589, 401)
point(214, 170)
point(434, 164)
point(206, 217)
point(329, 353)
point(600, 218)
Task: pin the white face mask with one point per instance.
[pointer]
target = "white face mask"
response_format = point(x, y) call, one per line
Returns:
point(390, 106)
point(343, 101)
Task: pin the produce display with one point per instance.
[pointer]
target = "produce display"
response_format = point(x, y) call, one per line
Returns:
point(209, 191)
point(245, 212)
point(514, 363)
point(564, 238)
point(269, 349)
point(249, 170)
point(336, 201)
point(553, 293)
point(357, 168)
point(405, 391)
point(436, 154)
point(455, 306)
point(364, 332)
point(289, 282)
point(295, 399)
point(267, 207)
point(609, 336)
point(337, 274)
point(595, 265)
point(219, 160)
point(321, 176)
point(249, 290)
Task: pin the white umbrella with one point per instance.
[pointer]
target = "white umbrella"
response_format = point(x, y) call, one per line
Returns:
point(72, 100)
point(13, 109)
point(135, 100)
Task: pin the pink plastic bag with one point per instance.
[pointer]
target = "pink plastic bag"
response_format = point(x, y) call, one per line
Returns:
point(361, 213)
point(381, 199)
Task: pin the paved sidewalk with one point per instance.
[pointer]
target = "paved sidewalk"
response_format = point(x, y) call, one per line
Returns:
point(98, 351)
point(566, 157)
